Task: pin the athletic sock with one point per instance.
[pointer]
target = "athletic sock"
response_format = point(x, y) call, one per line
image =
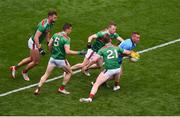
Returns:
point(91, 95)
point(116, 83)
point(24, 71)
point(62, 86)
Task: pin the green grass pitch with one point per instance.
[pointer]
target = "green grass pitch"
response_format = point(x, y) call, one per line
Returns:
point(148, 87)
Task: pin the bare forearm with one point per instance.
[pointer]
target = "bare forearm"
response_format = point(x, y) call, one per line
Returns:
point(120, 39)
point(72, 52)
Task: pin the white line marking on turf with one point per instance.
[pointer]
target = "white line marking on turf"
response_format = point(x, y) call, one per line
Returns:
point(75, 72)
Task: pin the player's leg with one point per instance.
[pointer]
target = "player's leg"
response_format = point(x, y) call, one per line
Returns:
point(35, 56)
point(67, 76)
point(117, 80)
point(98, 63)
point(24, 61)
point(84, 63)
point(100, 80)
point(49, 69)
point(21, 63)
point(80, 65)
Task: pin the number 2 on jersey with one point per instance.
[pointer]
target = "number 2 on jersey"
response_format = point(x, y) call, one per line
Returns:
point(112, 54)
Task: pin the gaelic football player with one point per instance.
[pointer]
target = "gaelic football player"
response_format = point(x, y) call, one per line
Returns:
point(59, 46)
point(94, 47)
point(128, 44)
point(112, 67)
point(34, 43)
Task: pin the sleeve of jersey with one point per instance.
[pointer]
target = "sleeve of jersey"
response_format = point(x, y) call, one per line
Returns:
point(67, 42)
point(122, 44)
point(100, 53)
point(120, 50)
point(53, 37)
point(99, 34)
point(116, 35)
point(41, 28)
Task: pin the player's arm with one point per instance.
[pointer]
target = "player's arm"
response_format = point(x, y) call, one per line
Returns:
point(72, 52)
point(90, 39)
point(89, 64)
point(50, 44)
point(120, 39)
point(123, 51)
point(127, 52)
point(36, 39)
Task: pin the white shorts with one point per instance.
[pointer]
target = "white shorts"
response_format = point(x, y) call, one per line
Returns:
point(31, 44)
point(109, 73)
point(58, 63)
point(91, 55)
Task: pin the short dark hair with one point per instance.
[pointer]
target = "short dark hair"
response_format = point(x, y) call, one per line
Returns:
point(66, 26)
point(135, 33)
point(112, 24)
point(52, 12)
point(106, 38)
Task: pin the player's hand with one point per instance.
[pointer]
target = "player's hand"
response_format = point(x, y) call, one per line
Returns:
point(89, 45)
point(82, 52)
point(42, 52)
point(134, 54)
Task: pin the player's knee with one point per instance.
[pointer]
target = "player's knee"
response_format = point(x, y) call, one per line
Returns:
point(36, 62)
point(70, 72)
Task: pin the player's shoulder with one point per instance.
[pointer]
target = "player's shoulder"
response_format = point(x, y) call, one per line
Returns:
point(64, 36)
point(103, 31)
point(44, 22)
point(126, 41)
point(55, 35)
point(115, 33)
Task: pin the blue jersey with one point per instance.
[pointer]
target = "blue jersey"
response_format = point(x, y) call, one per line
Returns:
point(127, 45)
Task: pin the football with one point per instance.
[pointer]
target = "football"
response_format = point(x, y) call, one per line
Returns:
point(134, 57)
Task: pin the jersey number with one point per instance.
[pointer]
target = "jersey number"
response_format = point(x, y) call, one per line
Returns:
point(56, 41)
point(112, 54)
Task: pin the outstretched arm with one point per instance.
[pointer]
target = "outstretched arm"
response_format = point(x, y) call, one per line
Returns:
point(91, 38)
point(120, 39)
point(72, 52)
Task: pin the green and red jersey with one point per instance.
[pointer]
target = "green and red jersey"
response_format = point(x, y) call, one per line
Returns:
point(44, 27)
point(99, 42)
point(110, 56)
point(59, 41)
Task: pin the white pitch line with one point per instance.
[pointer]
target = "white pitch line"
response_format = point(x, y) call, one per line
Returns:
point(77, 71)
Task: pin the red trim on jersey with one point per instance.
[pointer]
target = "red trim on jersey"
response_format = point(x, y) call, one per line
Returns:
point(43, 22)
point(105, 46)
point(65, 36)
point(101, 40)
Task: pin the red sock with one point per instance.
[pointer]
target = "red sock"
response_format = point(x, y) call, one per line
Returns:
point(91, 95)
point(116, 83)
point(61, 87)
point(24, 71)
